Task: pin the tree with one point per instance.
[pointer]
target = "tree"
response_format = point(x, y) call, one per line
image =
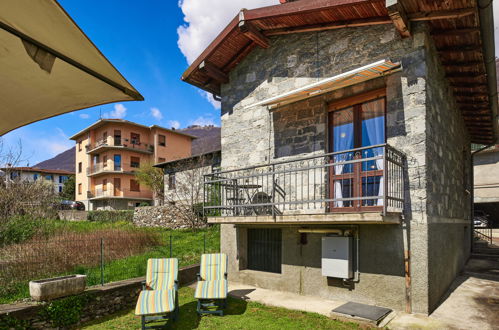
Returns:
point(152, 177)
point(69, 189)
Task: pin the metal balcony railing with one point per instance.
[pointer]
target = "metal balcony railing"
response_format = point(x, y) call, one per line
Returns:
point(115, 168)
point(369, 179)
point(123, 143)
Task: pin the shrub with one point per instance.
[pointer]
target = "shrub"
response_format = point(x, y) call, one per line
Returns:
point(65, 312)
point(17, 229)
point(110, 216)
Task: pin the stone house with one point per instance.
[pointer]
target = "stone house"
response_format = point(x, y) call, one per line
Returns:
point(346, 132)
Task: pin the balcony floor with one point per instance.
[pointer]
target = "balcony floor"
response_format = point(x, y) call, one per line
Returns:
point(328, 218)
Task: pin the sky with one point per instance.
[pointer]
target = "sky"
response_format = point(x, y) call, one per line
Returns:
point(151, 43)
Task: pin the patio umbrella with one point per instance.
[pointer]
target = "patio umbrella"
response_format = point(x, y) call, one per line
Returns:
point(48, 66)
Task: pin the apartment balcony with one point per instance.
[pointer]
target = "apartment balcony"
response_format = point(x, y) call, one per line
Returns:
point(364, 185)
point(114, 193)
point(123, 144)
point(101, 169)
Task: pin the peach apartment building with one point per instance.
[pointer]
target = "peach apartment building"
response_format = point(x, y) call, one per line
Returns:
point(108, 153)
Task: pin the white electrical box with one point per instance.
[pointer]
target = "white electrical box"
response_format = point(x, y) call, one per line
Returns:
point(337, 256)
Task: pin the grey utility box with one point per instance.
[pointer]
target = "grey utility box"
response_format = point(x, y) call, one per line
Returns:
point(337, 256)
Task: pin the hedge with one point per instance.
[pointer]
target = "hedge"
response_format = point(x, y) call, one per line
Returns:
point(110, 216)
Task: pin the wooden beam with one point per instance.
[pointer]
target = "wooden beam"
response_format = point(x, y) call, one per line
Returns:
point(471, 94)
point(441, 14)
point(398, 16)
point(213, 72)
point(465, 75)
point(463, 65)
point(252, 33)
point(468, 85)
point(239, 56)
point(329, 26)
point(459, 49)
point(474, 104)
point(454, 32)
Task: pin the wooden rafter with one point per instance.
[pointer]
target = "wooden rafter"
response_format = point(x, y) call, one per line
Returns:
point(442, 14)
point(251, 32)
point(459, 49)
point(454, 32)
point(398, 16)
point(213, 72)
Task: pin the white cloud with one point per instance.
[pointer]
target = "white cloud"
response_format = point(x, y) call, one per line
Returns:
point(84, 115)
point(118, 112)
point(174, 124)
point(203, 121)
point(202, 25)
point(156, 113)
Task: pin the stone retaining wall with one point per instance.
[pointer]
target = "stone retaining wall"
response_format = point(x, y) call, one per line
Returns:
point(72, 215)
point(167, 216)
point(101, 301)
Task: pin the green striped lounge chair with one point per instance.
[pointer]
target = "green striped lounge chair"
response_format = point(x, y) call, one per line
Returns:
point(158, 300)
point(211, 289)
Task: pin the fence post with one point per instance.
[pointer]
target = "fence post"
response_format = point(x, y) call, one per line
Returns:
point(170, 245)
point(204, 242)
point(102, 261)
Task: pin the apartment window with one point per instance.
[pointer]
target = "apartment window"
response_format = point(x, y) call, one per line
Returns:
point(104, 185)
point(134, 185)
point(117, 162)
point(264, 249)
point(79, 188)
point(79, 145)
point(135, 162)
point(104, 161)
point(62, 178)
point(104, 136)
point(162, 140)
point(134, 138)
point(35, 176)
point(171, 181)
point(79, 167)
point(49, 177)
point(161, 160)
point(60, 189)
point(117, 138)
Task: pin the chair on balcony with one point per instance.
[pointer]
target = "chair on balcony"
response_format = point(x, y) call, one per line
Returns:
point(158, 300)
point(212, 288)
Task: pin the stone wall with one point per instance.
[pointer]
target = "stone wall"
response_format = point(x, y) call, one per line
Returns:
point(72, 215)
point(167, 216)
point(100, 301)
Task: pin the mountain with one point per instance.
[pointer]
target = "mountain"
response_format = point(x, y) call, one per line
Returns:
point(63, 161)
point(208, 138)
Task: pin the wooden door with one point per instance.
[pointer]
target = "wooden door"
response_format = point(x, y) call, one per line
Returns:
point(117, 187)
point(359, 125)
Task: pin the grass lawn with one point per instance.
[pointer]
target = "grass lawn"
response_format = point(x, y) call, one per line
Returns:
point(239, 315)
point(186, 245)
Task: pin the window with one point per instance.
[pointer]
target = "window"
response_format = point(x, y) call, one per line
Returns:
point(357, 123)
point(117, 162)
point(49, 177)
point(135, 162)
point(117, 138)
point(134, 138)
point(171, 181)
point(79, 145)
point(162, 140)
point(104, 185)
point(264, 249)
point(35, 176)
point(79, 188)
point(104, 161)
point(161, 160)
point(134, 185)
point(63, 178)
point(79, 167)
point(60, 189)
point(104, 137)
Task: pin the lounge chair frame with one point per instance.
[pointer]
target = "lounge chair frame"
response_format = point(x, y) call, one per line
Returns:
point(205, 306)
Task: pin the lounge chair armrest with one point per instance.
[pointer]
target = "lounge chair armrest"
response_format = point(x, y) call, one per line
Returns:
point(143, 283)
point(198, 276)
point(225, 275)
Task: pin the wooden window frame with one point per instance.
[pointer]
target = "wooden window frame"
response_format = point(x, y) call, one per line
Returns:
point(104, 185)
point(79, 189)
point(132, 186)
point(134, 141)
point(357, 175)
point(80, 167)
point(133, 163)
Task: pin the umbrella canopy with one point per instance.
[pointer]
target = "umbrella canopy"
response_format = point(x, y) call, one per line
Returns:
point(48, 66)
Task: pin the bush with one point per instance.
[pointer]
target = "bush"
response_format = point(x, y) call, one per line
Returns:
point(110, 216)
point(17, 229)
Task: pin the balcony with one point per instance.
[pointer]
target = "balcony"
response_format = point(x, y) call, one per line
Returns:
point(111, 193)
point(364, 185)
point(99, 169)
point(115, 143)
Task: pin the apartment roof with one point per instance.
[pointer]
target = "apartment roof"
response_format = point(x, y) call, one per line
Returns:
point(462, 31)
point(102, 122)
point(173, 163)
point(38, 170)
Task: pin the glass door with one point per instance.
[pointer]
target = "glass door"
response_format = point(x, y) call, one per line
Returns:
point(352, 130)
